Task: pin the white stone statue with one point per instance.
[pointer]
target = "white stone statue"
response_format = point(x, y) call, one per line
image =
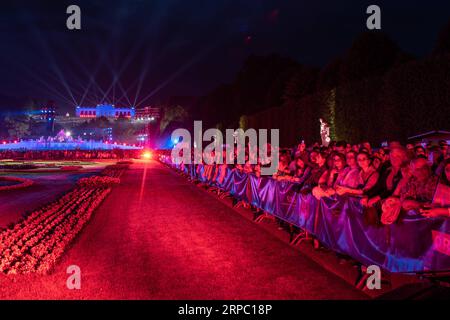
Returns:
point(324, 133)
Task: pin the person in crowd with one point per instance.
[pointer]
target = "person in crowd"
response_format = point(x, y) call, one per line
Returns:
point(239, 151)
point(352, 178)
point(377, 161)
point(313, 157)
point(435, 158)
point(409, 150)
point(348, 148)
point(283, 170)
point(340, 147)
point(265, 161)
point(440, 206)
point(420, 151)
point(249, 166)
point(385, 162)
point(299, 152)
point(316, 173)
point(444, 148)
point(390, 178)
point(301, 171)
point(329, 164)
point(366, 147)
point(332, 177)
point(368, 178)
point(417, 186)
point(444, 156)
point(383, 154)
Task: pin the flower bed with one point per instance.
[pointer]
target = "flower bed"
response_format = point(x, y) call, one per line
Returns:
point(36, 243)
point(21, 183)
point(115, 170)
point(98, 182)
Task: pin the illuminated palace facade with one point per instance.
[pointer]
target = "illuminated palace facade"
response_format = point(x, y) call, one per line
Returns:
point(105, 110)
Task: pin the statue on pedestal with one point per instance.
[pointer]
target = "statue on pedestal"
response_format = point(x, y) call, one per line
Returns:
point(324, 132)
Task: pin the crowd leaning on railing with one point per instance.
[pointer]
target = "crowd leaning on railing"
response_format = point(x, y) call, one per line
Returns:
point(387, 180)
point(69, 154)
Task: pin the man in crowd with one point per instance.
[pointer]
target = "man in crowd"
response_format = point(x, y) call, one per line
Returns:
point(418, 186)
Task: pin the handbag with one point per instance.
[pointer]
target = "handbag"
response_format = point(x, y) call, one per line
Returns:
point(390, 208)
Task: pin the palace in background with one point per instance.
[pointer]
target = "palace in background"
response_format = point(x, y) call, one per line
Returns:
point(109, 111)
point(104, 110)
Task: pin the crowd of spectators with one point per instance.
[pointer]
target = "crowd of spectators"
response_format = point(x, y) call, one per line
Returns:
point(387, 180)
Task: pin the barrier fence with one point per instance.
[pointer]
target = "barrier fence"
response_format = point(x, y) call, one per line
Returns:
point(414, 244)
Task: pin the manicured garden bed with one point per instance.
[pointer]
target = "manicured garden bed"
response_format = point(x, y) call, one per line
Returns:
point(14, 183)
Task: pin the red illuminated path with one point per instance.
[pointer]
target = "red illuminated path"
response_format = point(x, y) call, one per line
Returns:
point(174, 241)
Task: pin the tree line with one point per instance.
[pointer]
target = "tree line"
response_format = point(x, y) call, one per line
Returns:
point(375, 91)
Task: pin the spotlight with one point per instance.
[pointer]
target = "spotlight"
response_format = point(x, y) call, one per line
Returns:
point(147, 155)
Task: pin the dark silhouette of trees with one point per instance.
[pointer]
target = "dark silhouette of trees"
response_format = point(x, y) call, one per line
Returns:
point(371, 54)
point(443, 42)
point(258, 86)
point(375, 91)
point(417, 96)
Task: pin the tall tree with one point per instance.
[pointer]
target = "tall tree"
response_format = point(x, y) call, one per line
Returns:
point(443, 43)
point(18, 126)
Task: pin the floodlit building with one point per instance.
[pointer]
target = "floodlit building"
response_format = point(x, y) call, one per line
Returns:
point(105, 110)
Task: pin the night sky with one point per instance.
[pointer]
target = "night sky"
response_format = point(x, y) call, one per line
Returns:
point(155, 49)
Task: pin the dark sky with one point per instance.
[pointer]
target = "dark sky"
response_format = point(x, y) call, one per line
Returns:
point(180, 47)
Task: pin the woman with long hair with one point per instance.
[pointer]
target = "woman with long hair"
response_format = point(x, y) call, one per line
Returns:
point(368, 177)
point(332, 177)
